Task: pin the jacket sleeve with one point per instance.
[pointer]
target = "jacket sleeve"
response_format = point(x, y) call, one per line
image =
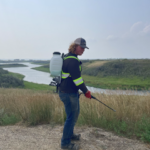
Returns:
point(73, 69)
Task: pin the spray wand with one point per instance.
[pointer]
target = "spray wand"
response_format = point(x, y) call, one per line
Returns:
point(100, 102)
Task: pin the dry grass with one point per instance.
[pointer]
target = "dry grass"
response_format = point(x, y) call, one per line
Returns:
point(33, 107)
point(96, 64)
point(41, 107)
point(128, 107)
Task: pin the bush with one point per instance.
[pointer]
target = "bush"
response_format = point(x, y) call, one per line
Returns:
point(7, 81)
point(121, 68)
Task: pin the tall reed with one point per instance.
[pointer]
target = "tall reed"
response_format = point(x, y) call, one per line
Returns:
point(31, 106)
point(132, 111)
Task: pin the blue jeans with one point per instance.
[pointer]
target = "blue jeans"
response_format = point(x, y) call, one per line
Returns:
point(72, 108)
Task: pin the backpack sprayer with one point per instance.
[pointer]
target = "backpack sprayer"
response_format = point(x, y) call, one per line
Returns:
point(55, 70)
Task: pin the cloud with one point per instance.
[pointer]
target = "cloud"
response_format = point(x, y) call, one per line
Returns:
point(136, 27)
point(136, 30)
point(111, 37)
point(147, 29)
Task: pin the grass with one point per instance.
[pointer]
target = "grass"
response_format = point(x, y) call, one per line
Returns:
point(31, 85)
point(135, 83)
point(120, 68)
point(17, 75)
point(110, 82)
point(11, 65)
point(113, 82)
point(131, 119)
point(42, 69)
point(94, 64)
point(41, 62)
point(35, 86)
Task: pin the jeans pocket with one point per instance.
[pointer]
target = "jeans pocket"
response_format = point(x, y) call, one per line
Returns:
point(63, 97)
point(73, 95)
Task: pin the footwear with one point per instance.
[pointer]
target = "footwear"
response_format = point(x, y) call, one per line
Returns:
point(76, 137)
point(71, 146)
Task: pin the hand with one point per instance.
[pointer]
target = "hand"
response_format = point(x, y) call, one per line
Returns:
point(88, 94)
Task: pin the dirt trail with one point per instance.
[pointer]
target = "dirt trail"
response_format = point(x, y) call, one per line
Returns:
point(46, 137)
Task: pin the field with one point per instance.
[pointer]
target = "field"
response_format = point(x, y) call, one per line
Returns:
point(133, 83)
point(11, 65)
point(41, 62)
point(93, 77)
point(131, 119)
point(44, 68)
point(36, 104)
point(33, 86)
point(94, 64)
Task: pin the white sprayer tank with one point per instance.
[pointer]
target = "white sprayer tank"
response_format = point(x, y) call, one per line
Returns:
point(56, 64)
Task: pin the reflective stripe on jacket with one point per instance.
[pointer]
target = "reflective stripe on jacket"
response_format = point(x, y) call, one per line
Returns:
point(71, 75)
point(65, 75)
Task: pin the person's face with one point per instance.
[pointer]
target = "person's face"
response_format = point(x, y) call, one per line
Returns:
point(79, 50)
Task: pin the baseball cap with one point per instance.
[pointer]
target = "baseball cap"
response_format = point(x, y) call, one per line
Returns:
point(81, 42)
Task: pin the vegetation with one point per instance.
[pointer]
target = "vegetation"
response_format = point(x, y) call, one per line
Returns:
point(44, 68)
point(2, 71)
point(121, 68)
point(39, 87)
point(10, 81)
point(123, 74)
point(11, 65)
point(134, 83)
point(7, 80)
point(114, 74)
point(33, 86)
point(41, 62)
point(16, 75)
point(131, 119)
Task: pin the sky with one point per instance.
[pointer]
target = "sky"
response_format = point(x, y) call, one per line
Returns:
point(34, 29)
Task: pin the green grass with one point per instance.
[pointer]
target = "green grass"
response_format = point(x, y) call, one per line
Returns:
point(41, 62)
point(139, 129)
point(9, 119)
point(42, 69)
point(35, 86)
point(112, 82)
point(31, 85)
point(117, 82)
point(17, 75)
point(12, 65)
point(119, 68)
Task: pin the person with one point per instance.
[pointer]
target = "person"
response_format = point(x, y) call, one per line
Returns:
point(71, 82)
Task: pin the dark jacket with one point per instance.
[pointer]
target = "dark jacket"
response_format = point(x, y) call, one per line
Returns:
point(72, 66)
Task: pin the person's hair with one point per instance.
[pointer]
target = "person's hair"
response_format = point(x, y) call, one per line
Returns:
point(72, 48)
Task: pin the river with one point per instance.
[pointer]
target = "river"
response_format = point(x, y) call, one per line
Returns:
point(40, 77)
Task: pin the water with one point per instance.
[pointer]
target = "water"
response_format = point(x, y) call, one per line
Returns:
point(44, 78)
point(31, 75)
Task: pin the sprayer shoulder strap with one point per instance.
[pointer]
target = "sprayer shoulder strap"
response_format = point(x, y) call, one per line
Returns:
point(66, 74)
point(71, 57)
point(71, 74)
point(74, 58)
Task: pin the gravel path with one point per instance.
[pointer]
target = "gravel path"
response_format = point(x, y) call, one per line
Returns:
point(46, 137)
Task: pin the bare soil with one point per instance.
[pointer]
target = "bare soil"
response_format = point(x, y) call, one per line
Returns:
point(48, 137)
